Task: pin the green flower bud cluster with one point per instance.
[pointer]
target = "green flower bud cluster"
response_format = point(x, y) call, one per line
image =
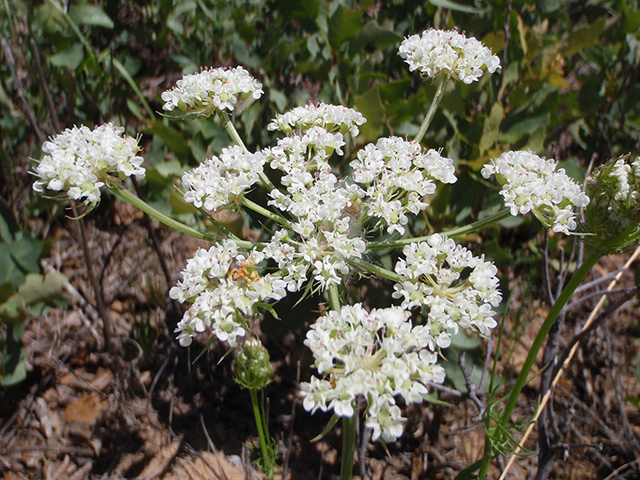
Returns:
point(613, 216)
point(253, 368)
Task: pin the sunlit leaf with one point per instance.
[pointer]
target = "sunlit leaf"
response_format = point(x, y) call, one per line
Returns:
point(84, 14)
point(70, 58)
point(344, 24)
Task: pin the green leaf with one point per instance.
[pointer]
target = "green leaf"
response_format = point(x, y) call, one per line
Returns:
point(174, 139)
point(327, 429)
point(549, 6)
point(8, 224)
point(70, 58)
point(42, 288)
point(19, 257)
point(372, 32)
point(456, 6)
point(6, 290)
point(84, 14)
point(491, 128)
point(463, 342)
point(343, 25)
point(370, 105)
point(583, 37)
point(13, 363)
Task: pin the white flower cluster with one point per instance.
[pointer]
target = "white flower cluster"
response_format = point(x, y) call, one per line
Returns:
point(448, 51)
point(222, 180)
point(397, 175)
point(80, 160)
point(321, 206)
point(377, 355)
point(458, 289)
point(333, 118)
point(532, 184)
point(213, 90)
point(224, 286)
point(622, 172)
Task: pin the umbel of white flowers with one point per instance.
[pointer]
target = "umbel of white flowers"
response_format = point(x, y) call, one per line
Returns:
point(79, 161)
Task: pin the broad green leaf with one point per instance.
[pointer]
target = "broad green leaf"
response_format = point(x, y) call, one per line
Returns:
point(529, 124)
point(70, 58)
point(491, 128)
point(370, 105)
point(25, 251)
point(583, 37)
point(8, 224)
point(42, 288)
point(84, 14)
point(456, 6)
point(279, 99)
point(6, 290)
point(19, 257)
point(372, 32)
point(343, 25)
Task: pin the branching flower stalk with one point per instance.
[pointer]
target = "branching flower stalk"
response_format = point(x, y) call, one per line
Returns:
point(324, 226)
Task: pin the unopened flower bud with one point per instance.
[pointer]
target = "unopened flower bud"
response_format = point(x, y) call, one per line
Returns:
point(613, 216)
point(253, 368)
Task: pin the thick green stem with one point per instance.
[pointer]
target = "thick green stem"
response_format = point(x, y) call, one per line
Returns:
point(235, 136)
point(267, 461)
point(432, 109)
point(455, 232)
point(137, 202)
point(348, 447)
point(523, 377)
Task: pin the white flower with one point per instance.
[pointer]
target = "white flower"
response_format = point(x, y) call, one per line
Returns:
point(224, 286)
point(376, 355)
point(458, 289)
point(448, 51)
point(397, 176)
point(325, 217)
point(222, 180)
point(530, 183)
point(333, 118)
point(80, 161)
point(213, 90)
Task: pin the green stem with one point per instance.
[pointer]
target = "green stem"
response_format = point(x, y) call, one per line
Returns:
point(432, 109)
point(334, 297)
point(455, 232)
point(235, 136)
point(266, 213)
point(557, 307)
point(523, 377)
point(348, 447)
point(137, 202)
point(218, 225)
point(376, 269)
point(258, 412)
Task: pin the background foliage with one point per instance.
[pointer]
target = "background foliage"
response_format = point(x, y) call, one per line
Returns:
point(568, 88)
